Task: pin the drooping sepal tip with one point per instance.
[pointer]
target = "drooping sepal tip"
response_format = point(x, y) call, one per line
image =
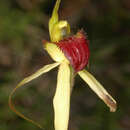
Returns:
point(26, 80)
point(98, 89)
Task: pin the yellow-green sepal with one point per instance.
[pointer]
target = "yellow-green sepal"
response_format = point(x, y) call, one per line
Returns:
point(58, 29)
point(98, 89)
point(61, 101)
point(26, 80)
point(54, 18)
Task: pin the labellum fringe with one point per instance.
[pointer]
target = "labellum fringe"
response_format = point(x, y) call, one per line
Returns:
point(76, 50)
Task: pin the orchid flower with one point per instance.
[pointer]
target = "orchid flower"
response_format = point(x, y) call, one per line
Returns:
point(71, 54)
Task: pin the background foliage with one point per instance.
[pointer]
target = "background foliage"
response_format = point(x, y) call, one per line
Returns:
point(24, 23)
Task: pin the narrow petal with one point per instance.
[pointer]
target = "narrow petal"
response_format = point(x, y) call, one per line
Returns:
point(98, 89)
point(26, 80)
point(61, 99)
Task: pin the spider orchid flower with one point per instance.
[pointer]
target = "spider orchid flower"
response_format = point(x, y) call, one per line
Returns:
point(71, 54)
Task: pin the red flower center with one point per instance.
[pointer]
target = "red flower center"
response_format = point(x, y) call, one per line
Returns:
point(76, 50)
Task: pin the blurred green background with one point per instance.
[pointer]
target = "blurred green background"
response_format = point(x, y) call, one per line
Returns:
point(24, 24)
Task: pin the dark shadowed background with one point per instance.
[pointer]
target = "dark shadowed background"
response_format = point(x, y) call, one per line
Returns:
point(24, 24)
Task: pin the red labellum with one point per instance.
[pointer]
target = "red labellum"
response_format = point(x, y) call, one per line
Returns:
point(76, 50)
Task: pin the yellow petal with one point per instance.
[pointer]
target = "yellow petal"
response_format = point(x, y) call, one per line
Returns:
point(58, 29)
point(98, 89)
point(54, 51)
point(61, 99)
point(26, 80)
